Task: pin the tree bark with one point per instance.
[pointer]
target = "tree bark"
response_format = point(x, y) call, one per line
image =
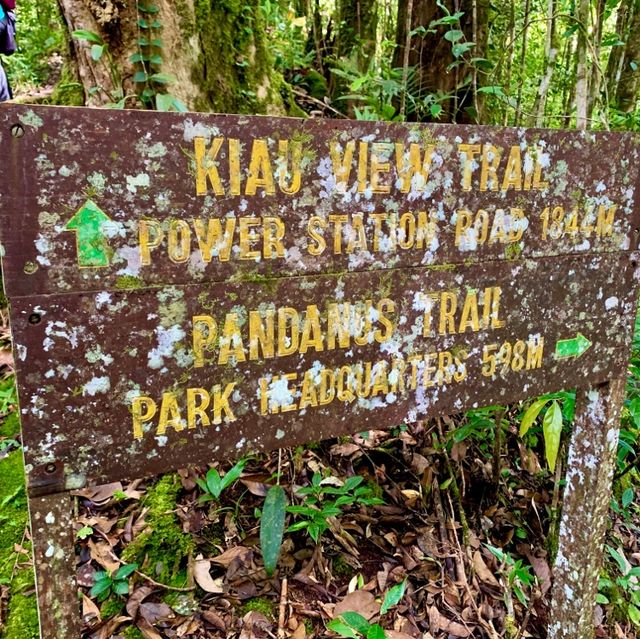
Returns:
point(550, 53)
point(437, 71)
point(582, 76)
point(596, 71)
point(523, 58)
point(356, 31)
point(215, 49)
point(616, 56)
point(629, 84)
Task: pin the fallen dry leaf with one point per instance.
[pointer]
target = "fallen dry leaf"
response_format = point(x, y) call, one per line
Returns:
point(147, 630)
point(483, 572)
point(99, 494)
point(90, 611)
point(359, 601)
point(102, 552)
point(203, 577)
point(237, 552)
point(134, 601)
point(153, 612)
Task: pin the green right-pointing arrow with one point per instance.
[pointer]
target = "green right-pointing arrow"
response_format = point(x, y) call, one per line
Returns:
point(573, 347)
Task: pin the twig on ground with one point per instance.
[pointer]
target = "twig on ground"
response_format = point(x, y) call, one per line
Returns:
point(283, 608)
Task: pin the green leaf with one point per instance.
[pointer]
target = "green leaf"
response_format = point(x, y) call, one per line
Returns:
point(100, 587)
point(156, 59)
point(530, 415)
point(633, 65)
point(90, 36)
point(620, 559)
point(162, 78)
point(272, 527)
point(214, 482)
point(164, 102)
point(315, 531)
point(84, 532)
point(143, 24)
point(342, 629)
point(140, 76)
point(121, 587)
point(627, 497)
point(601, 599)
point(454, 35)
point(148, 8)
point(356, 621)
point(435, 110)
point(125, 571)
point(179, 106)
point(234, 474)
point(552, 429)
point(138, 57)
point(493, 90)
point(376, 632)
point(96, 51)
point(634, 614)
point(393, 597)
point(461, 48)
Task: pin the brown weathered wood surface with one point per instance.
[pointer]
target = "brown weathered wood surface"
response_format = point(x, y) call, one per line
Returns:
point(55, 563)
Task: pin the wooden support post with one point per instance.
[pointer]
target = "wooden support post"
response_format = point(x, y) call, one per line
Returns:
point(585, 509)
point(54, 560)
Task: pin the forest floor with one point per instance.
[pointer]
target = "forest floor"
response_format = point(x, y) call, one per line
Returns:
point(471, 545)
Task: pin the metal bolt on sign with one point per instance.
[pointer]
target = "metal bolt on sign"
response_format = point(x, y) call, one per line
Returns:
point(270, 281)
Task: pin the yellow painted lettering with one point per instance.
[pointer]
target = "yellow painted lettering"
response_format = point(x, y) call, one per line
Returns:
point(204, 334)
point(206, 165)
point(169, 414)
point(150, 236)
point(198, 400)
point(143, 409)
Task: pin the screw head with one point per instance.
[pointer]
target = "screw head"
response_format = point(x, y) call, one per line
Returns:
point(17, 130)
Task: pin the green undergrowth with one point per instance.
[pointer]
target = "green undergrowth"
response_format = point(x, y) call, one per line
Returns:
point(264, 606)
point(21, 619)
point(162, 549)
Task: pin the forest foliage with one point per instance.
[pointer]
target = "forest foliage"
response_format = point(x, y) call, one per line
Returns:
point(544, 63)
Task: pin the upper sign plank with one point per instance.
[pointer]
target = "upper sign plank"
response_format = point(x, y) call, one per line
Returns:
point(104, 199)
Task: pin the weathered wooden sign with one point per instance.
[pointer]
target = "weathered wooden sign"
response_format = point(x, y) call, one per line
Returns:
point(187, 287)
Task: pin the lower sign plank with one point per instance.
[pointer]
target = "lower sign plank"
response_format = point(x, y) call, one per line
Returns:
point(123, 383)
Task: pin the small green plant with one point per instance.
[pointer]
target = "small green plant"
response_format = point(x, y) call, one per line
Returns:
point(8, 396)
point(559, 406)
point(519, 577)
point(84, 532)
point(100, 54)
point(353, 625)
point(272, 526)
point(324, 499)
point(213, 485)
point(117, 582)
point(624, 592)
point(151, 83)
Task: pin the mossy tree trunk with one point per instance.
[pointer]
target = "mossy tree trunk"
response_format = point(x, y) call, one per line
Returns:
point(215, 49)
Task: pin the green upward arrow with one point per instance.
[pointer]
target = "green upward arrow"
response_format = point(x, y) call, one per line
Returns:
point(91, 243)
point(573, 347)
